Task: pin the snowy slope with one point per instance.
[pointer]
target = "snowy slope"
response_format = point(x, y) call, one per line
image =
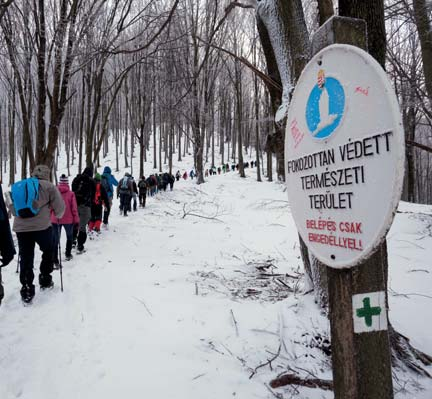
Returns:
point(167, 304)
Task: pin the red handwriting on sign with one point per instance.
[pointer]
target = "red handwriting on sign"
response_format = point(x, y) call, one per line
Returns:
point(296, 134)
point(362, 90)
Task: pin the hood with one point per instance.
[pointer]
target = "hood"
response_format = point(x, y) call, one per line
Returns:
point(88, 171)
point(63, 187)
point(107, 170)
point(41, 172)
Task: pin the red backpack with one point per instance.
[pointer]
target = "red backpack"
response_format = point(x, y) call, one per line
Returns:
point(97, 198)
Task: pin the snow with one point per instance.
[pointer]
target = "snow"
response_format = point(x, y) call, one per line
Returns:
point(167, 304)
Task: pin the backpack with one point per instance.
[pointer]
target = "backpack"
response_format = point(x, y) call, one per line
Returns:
point(98, 196)
point(24, 193)
point(106, 185)
point(81, 186)
point(124, 184)
point(142, 185)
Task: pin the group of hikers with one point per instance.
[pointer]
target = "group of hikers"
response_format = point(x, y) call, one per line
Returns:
point(42, 210)
point(213, 171)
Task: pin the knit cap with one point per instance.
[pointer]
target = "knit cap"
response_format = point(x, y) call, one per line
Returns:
point(97, 177)
point(64, 179)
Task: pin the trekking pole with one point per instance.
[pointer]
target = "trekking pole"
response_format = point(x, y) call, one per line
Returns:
point(60, 259)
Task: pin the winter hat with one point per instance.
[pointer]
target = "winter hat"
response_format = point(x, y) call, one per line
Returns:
point(41, 172)
point(64, 179)
point(107, 170)
point(97, 177)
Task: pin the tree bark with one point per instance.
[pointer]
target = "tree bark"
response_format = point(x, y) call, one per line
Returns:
point(423, 24)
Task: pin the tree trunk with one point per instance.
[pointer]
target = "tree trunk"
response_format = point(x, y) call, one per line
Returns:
point(325, 10)
point(425, 34)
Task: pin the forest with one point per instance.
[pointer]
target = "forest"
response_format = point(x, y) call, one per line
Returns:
point(147, 85)
point(188, 76)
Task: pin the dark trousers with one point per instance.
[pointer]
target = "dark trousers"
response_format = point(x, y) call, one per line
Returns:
point(107, 212)
point(1, 287)
point(125, 199)
point(56, 239)
point(85, 215)
point(142, 198)
point(26, 244)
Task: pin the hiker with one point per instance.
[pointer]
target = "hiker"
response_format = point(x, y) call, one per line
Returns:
point(219, 170)
point(206, 173)
point(185, 175)
point(191, 174)
point(84, 188)
point(134, 195)
point(108, 182)
point(165, 180)
point(178, 175)
point(150, 185)
point(124, 192)
point(100, 198)
point(7, 249)
point(69, 219)
point(159, 182)
point(32, 228)
point(171, 181)
point(142, 191)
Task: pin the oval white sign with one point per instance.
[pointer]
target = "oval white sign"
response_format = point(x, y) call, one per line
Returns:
point(344, 155)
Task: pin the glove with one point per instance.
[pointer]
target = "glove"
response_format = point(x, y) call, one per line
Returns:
point(6, 259)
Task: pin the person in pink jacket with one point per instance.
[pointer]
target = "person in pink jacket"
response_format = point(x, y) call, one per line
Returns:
point(69, 219)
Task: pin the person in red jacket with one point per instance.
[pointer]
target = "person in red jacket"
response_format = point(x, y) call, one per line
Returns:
point(69, 219)
point(100, 198)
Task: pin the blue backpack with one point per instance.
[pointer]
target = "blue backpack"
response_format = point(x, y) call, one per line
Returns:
point(24, 193)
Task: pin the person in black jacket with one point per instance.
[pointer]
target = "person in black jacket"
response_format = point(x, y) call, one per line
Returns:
point(84, 188)
point(7, 249)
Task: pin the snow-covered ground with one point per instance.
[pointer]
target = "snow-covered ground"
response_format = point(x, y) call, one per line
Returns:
point(167, 303)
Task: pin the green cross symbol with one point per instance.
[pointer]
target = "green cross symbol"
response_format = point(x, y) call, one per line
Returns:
point(367, 311)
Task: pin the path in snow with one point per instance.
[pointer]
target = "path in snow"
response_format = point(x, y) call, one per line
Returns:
point(130, 322)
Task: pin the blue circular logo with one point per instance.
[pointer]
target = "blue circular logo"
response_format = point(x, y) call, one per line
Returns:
point(325, 108)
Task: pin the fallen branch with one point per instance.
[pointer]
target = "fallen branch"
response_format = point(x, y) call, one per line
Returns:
point(268, 362)
point(235, 322)
point(141, 301)
point(292, 379)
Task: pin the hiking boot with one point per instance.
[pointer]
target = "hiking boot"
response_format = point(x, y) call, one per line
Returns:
point(45, 281)
point(56, 264)
point(68, 257)
point(27, 293)
point(80, 250)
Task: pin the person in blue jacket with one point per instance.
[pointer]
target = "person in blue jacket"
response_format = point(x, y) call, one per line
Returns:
point(108, 181)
